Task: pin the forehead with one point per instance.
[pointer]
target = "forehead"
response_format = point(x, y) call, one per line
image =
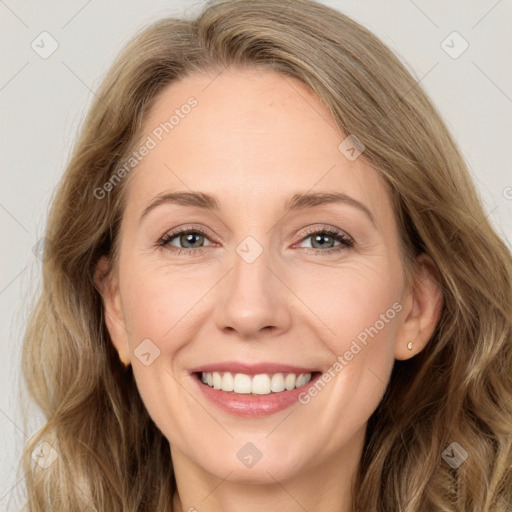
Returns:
point(251, 136)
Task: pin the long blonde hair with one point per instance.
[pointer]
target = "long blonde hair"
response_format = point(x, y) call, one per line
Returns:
point(111, 456)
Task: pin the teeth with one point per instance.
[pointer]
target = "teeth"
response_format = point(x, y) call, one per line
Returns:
point(277, 383)
point(261, 384)
point(242, 383)
point(289, 381)
point(228, 383)
point(217, 380)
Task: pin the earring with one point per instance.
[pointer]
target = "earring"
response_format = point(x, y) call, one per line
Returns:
point(409, 345)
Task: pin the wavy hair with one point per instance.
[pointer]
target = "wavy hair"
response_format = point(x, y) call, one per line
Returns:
point(111, 456)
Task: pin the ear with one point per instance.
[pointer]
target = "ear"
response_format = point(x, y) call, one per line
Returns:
point(422, 307)
point(108, 286)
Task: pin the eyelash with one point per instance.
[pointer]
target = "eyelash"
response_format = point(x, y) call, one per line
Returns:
point(346, 242)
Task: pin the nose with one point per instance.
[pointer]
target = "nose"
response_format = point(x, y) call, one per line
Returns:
point(254, 301)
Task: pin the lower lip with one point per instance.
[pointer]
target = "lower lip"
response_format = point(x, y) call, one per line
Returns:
point(250, 405)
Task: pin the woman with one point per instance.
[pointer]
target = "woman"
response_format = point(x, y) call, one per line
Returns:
point(260, 367)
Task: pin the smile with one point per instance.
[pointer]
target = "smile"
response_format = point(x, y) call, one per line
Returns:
point(260, 384)
point(252, 390)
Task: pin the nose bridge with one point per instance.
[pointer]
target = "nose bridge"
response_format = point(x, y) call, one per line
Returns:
point(251, 266)
point(253, 299)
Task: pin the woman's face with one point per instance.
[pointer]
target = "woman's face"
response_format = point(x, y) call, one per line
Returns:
point(292, 267)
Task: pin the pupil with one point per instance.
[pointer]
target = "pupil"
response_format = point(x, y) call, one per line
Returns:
point(190, 238)
point(318, 238)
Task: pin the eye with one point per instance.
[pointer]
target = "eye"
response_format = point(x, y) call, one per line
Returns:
point(323, 240)
point(188, 239)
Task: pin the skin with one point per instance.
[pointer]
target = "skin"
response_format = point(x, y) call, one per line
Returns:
point(254, 139)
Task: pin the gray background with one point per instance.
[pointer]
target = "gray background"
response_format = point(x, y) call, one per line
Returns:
point(43, 102)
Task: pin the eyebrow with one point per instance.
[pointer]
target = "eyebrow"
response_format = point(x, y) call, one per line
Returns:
point(299, 201)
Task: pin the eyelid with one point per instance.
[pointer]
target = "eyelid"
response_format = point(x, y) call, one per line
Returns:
point(324, 228)
point(190, 227)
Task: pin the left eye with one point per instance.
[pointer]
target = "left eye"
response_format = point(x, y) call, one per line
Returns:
point(319, 238)
point(184, 237)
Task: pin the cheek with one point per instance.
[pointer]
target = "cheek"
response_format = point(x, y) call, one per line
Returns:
point(157, 303)
point(157, 298)
point(358, 301)
point(359, 305)
point(363, 313)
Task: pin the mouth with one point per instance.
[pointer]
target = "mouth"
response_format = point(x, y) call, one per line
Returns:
point(259, 384)
point(253, 390)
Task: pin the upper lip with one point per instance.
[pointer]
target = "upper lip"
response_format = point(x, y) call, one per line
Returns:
point(251, 368)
